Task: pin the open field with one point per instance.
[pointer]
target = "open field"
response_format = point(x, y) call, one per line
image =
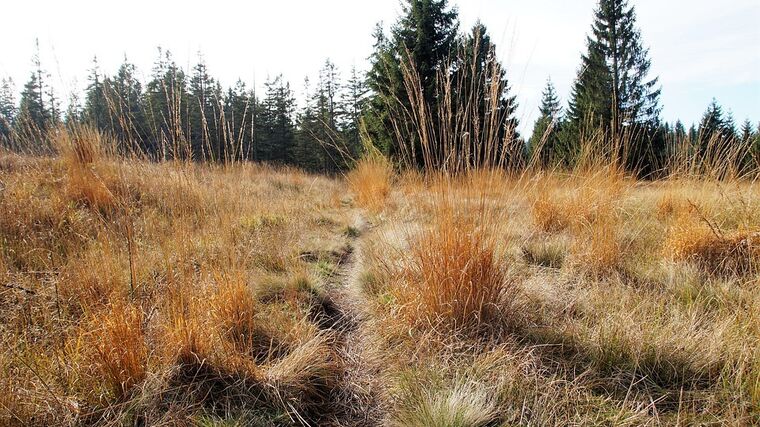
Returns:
point(137, 293)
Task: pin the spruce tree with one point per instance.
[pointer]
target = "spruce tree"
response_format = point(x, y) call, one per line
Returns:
point(326, 122)
point(203, 114)
point(747, 132)
point(613, 92)
point(729, 127)
point(74, 111)
point(353, 102)
point(166, 102)
point(125, 99)
point(713, 125)
point(36, 116)
point(97, 111)
point(275, 135)
point(308, 153)
point(330, 114)
point(7, 111)
point(717, 137)
point(483, 105)
point(545, 142)
point(677, 140)
point(424, 38)
point(384, 81)
point(679, 131)
point(237, 124)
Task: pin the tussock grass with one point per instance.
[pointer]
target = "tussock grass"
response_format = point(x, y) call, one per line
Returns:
point(454, 278)
point(370, 180)
point(550, 215)
point(695, 239)
point(120, 352)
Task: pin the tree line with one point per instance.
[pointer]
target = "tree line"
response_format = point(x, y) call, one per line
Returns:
point(191, 116)
point(430, 90)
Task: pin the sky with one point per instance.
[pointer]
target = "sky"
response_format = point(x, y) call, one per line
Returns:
point(700, 49)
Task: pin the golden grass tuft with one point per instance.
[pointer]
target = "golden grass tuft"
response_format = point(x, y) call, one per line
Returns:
point(453, 277)
point(89, 181)
point(186, 335)
point(371, 181)
point(597, 248)
point(120, 354)
point(670, 205)
point(694, 239)
point(304, 378)
point(234, 309)
point(549, 216)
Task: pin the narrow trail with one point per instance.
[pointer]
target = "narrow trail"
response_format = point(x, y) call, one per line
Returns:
point(355, 401)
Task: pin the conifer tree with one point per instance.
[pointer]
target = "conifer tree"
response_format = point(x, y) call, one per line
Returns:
point(729, 127)
point(713, 124)
point(308, 152)
point(747, 132)
point(545, 142)
point(353, 102)
point(717, 136)
point(239, 105)
point(7, 111)
point(679, 131)
point(330, 114)
point(613, 92)
point(483, 98)
point(166, 102)
point(97, 111)
point(203, 114)
point(74, 110)
point(275, 135)
point(124, 96)
point(325, 122)
point(425, 37)
point(36, 116)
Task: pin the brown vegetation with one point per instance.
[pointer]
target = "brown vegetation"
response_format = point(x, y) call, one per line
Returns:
point(173, 293)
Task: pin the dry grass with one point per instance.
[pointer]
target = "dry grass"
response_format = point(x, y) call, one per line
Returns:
point(692, 238)
point(597, 247)
point(128, 286)
point(614, 332)
point(454, 278)
point(370, 180)
point(193, 294)
point(550, 215)
point(120, 353)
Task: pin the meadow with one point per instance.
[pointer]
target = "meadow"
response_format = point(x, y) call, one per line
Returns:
point(174, 293)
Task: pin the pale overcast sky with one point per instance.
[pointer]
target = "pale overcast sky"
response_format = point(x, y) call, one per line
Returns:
point(700, 49)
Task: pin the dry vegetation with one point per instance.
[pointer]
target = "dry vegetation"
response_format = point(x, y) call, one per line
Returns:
point(174, 293)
